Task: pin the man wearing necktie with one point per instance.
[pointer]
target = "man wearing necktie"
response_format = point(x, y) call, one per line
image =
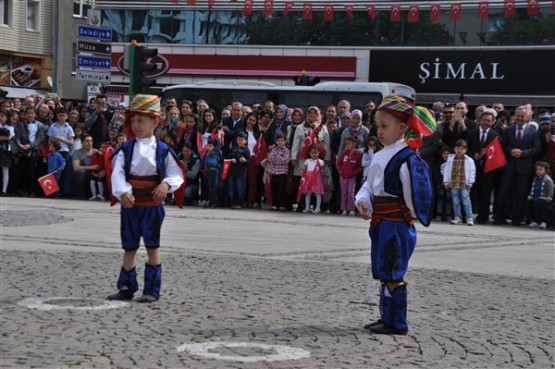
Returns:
point(521, 145)
point(478, 140)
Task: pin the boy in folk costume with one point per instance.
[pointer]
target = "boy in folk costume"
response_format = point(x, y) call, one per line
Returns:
point(144, 170)
point(398, 189)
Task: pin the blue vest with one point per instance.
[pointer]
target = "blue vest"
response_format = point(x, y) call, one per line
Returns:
point(421, 183)
point(162, 150)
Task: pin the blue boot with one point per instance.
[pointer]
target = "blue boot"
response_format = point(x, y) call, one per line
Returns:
point(153, 283)
point(127, 285)
point(384, 309)
point(394, 312)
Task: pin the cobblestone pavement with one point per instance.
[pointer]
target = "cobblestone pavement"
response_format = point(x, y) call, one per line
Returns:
point(236, 280)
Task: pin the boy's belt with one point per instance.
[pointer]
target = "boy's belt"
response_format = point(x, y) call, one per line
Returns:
point(142, 189)
point(390, 208)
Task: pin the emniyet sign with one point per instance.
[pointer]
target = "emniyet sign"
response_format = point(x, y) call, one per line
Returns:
point(509, 71)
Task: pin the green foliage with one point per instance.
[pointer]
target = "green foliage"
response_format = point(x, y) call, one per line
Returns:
point(525, 30)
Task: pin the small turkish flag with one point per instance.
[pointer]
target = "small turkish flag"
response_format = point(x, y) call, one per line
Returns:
point(49, 184)
point(191, 2)
point(328, 12)
point(395, 15)
point(435, 12)
point(371, 9)
point(495, 158)
point(211, 4)
point(225, 170)
point(268, 7)
point(509, 9)
point(455, 12)
point(288, 6)
point(247, 8)
point(532, 8)
point(175, 1)
point(414, 13)
point(307, 11)
point(483, 10)
point(349, 11)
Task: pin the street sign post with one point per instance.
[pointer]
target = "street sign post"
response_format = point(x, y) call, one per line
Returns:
point(98, 33)
point(94, 47)
point(93, 76)
point(96, 62)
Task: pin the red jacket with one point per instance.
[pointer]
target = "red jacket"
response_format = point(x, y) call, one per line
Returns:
point(349, 164)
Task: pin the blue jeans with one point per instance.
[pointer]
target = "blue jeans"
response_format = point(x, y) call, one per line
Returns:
point(237, 186)
point(458, 194)
point(212, 178)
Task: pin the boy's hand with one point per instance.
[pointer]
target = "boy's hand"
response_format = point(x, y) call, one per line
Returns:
point(233, 161)
point(447, 187)
point(363, 211)
point(242, 159)
point(160, 192)
point(127, 200)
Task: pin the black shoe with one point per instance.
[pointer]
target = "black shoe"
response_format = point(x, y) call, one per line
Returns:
point(500, 222)
point(121, 296)
point(148, 298)
point(388, 329)
point(373, 324)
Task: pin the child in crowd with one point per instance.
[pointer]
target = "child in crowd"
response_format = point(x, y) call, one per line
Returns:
point(6, 134)
point(77, 144)
point(98, 176)
point(349, 165)
point(398, 189)
point(443, 199)
point(62, 133)
point(211, 164)
point(312, 175)
point(279, 159)
point(144, 170)
point(56, 162)
point(367, 155)
point(120, 139)
point(458, 177)
point(191, 163)
point(540, 196)
point(240, 156)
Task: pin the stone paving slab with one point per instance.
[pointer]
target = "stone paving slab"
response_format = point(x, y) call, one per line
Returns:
point(254, 297)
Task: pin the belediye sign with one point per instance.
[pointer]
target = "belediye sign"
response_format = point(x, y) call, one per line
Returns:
point(98, 33)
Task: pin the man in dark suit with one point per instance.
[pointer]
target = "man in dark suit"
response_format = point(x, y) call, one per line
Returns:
point(478, 139)
point(233, 124)
point(521, 145)
point(457, 125)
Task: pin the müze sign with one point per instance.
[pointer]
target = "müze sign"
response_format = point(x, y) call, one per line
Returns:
point(511, 70)
point(439, 70)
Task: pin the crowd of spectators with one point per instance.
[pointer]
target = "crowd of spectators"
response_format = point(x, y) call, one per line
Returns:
point(227, 154)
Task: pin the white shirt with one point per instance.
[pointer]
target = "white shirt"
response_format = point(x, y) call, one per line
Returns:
point(374, 185)
point(143, 163)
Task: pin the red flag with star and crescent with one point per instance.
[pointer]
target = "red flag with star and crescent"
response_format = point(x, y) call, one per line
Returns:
point(288, 6)
point(395, 14)
point(414, 14)
point(371, 10)
point(49, 184)
point(349, 12)
point(435, 12)
point(268, 7)
point(328, 13)
point(307, 11)
point(211, 4)
point(483, 10)
point(455, 14)
point(509, 9)
point(310, 139)
point(260, 150)
point(495, 158)
point(247, 8)
point(532, 9)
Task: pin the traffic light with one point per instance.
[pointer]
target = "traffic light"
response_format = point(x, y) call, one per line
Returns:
point(139, 67)
point(306, 80)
